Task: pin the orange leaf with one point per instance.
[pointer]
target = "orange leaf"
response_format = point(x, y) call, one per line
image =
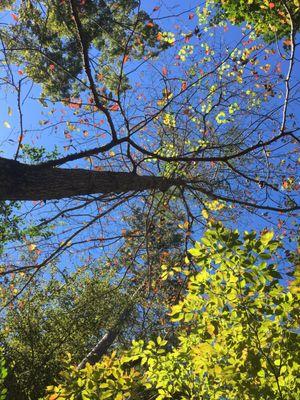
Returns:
point(287, 42)
point(15, 17)
point(285, 184)
point(75, 103)
point(183, 85)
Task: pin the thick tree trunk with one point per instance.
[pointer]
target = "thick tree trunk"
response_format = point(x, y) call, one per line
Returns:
point(32, 182)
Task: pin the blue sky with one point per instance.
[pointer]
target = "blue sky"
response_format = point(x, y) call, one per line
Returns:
point(33, 112)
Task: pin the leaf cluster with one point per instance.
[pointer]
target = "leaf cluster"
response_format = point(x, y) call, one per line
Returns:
point(236, 336)
point(272, 20)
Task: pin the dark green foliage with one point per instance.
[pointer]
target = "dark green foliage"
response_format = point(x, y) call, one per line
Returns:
point(45, 40)
point(9, 222)
point(273, 20)
point(51, 319)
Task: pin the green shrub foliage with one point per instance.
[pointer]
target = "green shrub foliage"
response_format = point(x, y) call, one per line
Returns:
point(236, 334)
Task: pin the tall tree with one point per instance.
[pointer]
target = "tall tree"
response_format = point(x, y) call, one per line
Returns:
point(112, 101)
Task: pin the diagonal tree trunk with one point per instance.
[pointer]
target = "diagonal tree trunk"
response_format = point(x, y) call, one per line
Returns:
point(108, 339)
point(20, 181)
point(105, 342)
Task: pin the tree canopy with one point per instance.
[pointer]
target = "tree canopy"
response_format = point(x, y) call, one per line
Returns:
point(129, 128)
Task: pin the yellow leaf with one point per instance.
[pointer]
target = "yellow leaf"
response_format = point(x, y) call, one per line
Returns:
point(205, 214)
point(169, 120)
point(267, 237)
point(210, 329)
point(186, 225)
point(31, 247)
point(218, 370)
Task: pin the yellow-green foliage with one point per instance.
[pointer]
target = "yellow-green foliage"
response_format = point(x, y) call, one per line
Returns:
point(3, 374)
point(236, 334)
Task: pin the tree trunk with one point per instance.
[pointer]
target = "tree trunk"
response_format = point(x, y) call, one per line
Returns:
point(108, 339)
point(105, 342)
point(20, 181)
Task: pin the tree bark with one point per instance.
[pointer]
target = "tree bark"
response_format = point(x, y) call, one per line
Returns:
point(20, 181)
point(108, 339)
point(105, 342)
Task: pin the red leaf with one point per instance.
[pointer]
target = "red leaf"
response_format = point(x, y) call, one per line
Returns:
point(278, 68)
point(285, 184)
point(164, 71)
point(52, 67)
point(271, 5)
point(20, 72)
point(150, 24)
point(68, 135)
point(114, 107)
point(156, 8)
point(191, 16)
point(187, 39)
